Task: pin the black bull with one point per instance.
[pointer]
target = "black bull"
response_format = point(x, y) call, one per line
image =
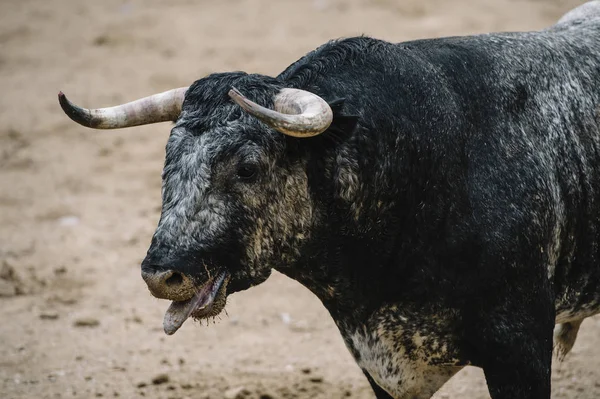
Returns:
point(446, 211)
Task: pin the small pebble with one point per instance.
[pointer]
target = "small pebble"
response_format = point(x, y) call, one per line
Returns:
point(86, 322)
point(286, 318)
point(160, 379)
point(49, 316)
point(300, 326)
point(68, 221)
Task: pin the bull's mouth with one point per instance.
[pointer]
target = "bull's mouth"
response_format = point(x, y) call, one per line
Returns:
point(208, 301)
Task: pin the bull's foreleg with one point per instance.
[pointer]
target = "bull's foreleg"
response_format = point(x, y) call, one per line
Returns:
point(564, 337)
point(512, 338)
point(380, 393)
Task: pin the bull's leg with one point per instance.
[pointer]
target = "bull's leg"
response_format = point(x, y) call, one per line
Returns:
point(380, 393)
point(513, 344)
point(564, 337)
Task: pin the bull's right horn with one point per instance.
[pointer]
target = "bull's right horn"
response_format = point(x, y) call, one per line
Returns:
point(160, 107)
point(296, 112)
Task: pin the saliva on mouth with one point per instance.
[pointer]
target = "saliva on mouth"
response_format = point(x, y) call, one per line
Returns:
point(199, 306)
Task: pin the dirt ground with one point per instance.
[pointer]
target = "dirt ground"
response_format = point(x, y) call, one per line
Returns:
point(78, 207)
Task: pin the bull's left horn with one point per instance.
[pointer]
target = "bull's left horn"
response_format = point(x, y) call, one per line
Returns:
point(297, 113)
point(160, 107)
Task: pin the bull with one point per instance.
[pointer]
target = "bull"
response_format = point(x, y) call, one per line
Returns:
point(440, 197)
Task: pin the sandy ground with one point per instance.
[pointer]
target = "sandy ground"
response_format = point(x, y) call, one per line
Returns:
point(78, 207)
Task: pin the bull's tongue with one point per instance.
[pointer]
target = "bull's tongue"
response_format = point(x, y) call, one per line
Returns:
point(179, 311)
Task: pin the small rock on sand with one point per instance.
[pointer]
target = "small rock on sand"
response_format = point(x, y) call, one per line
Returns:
point(49, 315)
point(299, 326)
point(86, 322)
point(160, 379)
point(68, 221)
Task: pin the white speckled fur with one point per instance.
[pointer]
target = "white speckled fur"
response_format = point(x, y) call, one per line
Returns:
point(403, 377)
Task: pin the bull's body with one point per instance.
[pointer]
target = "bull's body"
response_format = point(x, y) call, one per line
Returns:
point(466, 203)
point(450, 214)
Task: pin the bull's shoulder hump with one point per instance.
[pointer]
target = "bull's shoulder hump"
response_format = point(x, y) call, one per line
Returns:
point(586, 13)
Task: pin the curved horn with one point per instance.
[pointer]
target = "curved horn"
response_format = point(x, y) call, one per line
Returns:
point(160, 107)
point(297, 113)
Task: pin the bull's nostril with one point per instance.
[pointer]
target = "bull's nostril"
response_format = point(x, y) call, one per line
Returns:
point(175, 279)
point(169, 284)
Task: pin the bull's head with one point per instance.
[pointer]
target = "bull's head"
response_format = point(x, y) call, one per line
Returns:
point(235, 190)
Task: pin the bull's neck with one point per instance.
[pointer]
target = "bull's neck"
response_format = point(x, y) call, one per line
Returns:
point(351, 249)
point(337, 289)
point(349, 269)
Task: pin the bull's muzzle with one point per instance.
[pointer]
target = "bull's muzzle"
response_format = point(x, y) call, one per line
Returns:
point(169, 284)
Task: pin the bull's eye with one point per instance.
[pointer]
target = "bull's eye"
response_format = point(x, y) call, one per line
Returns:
point(247, 171)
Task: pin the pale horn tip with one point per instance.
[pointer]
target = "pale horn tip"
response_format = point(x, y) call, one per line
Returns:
point(242, 101)
point(236, 95)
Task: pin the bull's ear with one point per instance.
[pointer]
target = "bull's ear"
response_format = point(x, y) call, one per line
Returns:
point(341, 129)
point(343, 124)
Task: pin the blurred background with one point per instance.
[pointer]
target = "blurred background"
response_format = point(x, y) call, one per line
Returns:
point(78, 207)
